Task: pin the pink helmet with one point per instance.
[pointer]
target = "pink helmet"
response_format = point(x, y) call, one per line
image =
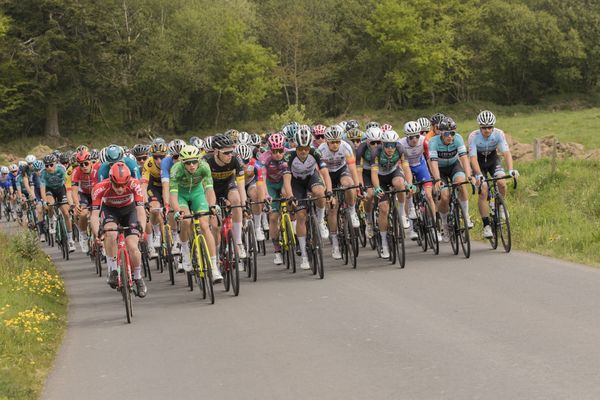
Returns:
point(276, 141)
point(318, 130)
point(386, 127)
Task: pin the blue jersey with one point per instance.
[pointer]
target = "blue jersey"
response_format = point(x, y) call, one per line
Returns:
point(481, 146)
point(54, 180)
point(104, 170)
point(6, 181)
point(446, 155)
point(165, 168)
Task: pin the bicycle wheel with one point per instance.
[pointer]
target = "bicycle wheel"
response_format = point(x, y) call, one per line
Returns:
point(341, 234)
point(453, 217)
point(291, 244)
point(431, 229)
point(146, 260)
point(494, 217)
point(125, 287)
point(351, 241)
point(400, 242)
point(503, 223)
point(98, 259)
point(234, 267)
point(251, 260)
point(317, 246)
point(206, 271)
point(463, 233)
point(391, 236)
point(64, 241)
point(169, 258)
point(225, 262)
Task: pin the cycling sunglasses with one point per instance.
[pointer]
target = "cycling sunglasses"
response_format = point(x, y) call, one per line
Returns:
point(303, 148)
point(319, 137)
point(142, 158)
point(49, 165)
point(190, 162)
point(413, 137)
point(389, 145)
point(375, 143)
point(448, 133)
point(334, 141)
point(277, 151)
point(84, 164)
point(158, 157)
point(175, 156)
point(356, 141)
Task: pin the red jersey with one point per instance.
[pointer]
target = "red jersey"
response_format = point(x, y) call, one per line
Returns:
point(103, 194)
point(85, 181)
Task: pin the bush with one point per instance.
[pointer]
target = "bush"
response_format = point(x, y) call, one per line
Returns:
point(293, 113)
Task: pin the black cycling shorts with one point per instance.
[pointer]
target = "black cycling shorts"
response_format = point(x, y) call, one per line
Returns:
point(490, 165)
point(124, 216)
point(222, 189)
point(447, 174)
point(336, 176)
point(59, 194)
point(301, 187)
point(155, 193)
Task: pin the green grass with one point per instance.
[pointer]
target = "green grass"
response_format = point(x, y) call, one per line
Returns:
point(555, 215)
point(32, 316)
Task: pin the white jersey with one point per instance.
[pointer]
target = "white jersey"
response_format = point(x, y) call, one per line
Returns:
point(414, 154)
point(336, 160)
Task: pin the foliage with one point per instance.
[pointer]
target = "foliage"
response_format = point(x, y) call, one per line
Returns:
point(294, 112)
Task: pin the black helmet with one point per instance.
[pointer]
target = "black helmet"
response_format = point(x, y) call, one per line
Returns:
point(94, 154)
point(437, 118)
point(447, 124)
point(140, 150)
point(50, 159)
point(65, 157)
point(221, 141)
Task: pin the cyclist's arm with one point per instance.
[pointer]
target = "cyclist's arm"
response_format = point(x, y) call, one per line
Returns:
point(287, 184)
point(42, 187)
point(375, 174)
point(326, 178)
point(173, 194)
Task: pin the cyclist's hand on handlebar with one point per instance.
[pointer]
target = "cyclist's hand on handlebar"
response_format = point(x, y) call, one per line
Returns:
point(177, 215)
point(411, 188)
point(216, 210)
point(379, 192)
point(514, 173)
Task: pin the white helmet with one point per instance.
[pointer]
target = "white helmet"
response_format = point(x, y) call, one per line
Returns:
point(30, 159)
point(175, 146)
point(4, 170)
point(244, 151)
point(255, 139)
point(102, 156)
point(303, 136)
point(390, 136)
point(198, 142)
point(13, 167)
point(373, 134)
point(343, 125)
point(425, 123)
point(412, 128)
point(244, 138)
point(208, 143)
point(486, 118)
point(334, 132)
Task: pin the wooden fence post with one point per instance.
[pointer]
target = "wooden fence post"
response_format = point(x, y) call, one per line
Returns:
point(537, 149)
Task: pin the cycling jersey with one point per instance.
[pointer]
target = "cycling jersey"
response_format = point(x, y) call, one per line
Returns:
point(223, 175)
point(68, 176)
point(484, 147)
point(270, 168)
point(364, 156)
point(54, 180)
point(337, 160)
point(446, 155)
point(5, 182)
point(384, 164)
point(85, 182)
point(104, 194)
point(165, 168)
point(104, 170)
point(182, 180)
point(303, 169)
point(151, 172)
point(415, 155)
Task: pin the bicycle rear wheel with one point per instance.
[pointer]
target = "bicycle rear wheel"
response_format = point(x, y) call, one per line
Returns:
point(317, 248)
point(125, 287)
point(168, 253)
point(503, 224)
point(145, 260)
point(63, 238)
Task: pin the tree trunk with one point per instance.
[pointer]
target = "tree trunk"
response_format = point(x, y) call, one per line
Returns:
point(52, 121)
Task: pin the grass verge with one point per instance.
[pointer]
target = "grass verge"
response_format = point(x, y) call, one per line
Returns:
point(556, 214)
point(33, 308)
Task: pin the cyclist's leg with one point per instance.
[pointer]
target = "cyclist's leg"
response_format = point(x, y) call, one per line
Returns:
point(200, 204)
point(333, 210)
point(368, 201)
point(299, 191)
point(274, 190)
point(463, 195)
point(109, 221)
point(234, 198)
point(252, 191)
point(317, 188)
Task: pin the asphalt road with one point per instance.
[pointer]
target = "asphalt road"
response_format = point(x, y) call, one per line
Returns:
point(496, 326)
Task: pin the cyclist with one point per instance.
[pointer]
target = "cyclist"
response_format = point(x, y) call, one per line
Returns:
point(37, 168)
point(352, 124)
point(84, 177)
point(414, 148)
point(112, 155)
point(435, 121)
point(354, 137)
point(306, 172)
point(140, 152)
point(166, 164)
point(6, 188)
point(191, 190)
point(229, 183)
point(271, 167)
point(318, 132)
point(386, 127)
point(340, 161)
point(484, 144)
point(449, 162)
point(120, 200)
point(53, 189)
point(364, 160)
point(152, 189)
point(425, 125)
point(65, 161)
point(387, 171)
point(13, 176)
point(289, 131)
point(254, 188)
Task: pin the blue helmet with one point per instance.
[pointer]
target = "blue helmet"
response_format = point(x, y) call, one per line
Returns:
point(113, 154)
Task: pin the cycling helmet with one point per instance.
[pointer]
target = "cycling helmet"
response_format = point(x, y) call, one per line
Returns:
point(158, 149)
point(30, 159)
point(244, 151)
point(352, 124)
point(82, 155)
point(93, 154)
point(354, 134)
point(102, 156)
point(49, 159)
point(343, 125)
point(373, 134)
point(390, 136)
point(175, 146)
point(233, 134)
point(291, 129)
point(486, 118)
point(386, 127)
point(276, 141)
point(221, 141)
point(373, 124)
point(318, 130)
point(4, 170)
point(189, 152)
point(447, 124)
point(437, 118)
point(244, 138)
point(38, 165)
point(113, 153)
point(208, 143)
point(119, 173)
point(158, 140)
point(334, 132)
point(425, 124)
point(412, 128)
point(193, 139)
point(255, 139)
point(126, 150)
point(65, 157)
point(199, 143)
point(15, 167)
point(303, 136)
point(140, 150)
point(81, 147)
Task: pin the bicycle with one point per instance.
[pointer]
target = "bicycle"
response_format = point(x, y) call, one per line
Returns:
point(61, 231)
point(125, 281)
point(143, 246)
point(287, 236)
point(49, 236)
point(348, 235)
point(201, 265)
point(165, 255)
point(395, 228)
point(426, 224)
point(314, 242)
point(228, 252)
point(253, 247)
point(499, 218)
point(457, 222)
point(6, 208)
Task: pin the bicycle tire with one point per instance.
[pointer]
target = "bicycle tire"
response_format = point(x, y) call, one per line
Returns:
point(291, 243)
point(98, 260)
point(463, 233)
point(318, 248)
point(400, 242)
point(125, 288)
point(505, 237)
point(63, 237)
point(206, 271)
point(431, 229)
point(341, 234)
point(169, 257)
point(392, 232)
point(452, 217)
point(224, 263)
point(252, 251)
point(352, 242)
point(234, 267)
point(494, 221)
point(146, 261)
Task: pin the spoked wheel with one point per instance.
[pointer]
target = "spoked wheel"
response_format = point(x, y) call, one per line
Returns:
point(494, 223)
point(125, 288)
point(503, 224)
point(351, 241)
point(342, 235)
point(453, 216)
point(431, 229)
point(316, 250)
point(463, 233)
point(146, 260)
point(291, 247)
point(234, 267)
point(63, 239)
point(392, 232)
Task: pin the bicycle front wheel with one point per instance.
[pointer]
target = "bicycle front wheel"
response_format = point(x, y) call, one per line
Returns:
point(234, 267)
point(125, 286)
point(463, 233)
point(453, 217)
point(291, 244)
point(317, 247)
point(503, 224)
